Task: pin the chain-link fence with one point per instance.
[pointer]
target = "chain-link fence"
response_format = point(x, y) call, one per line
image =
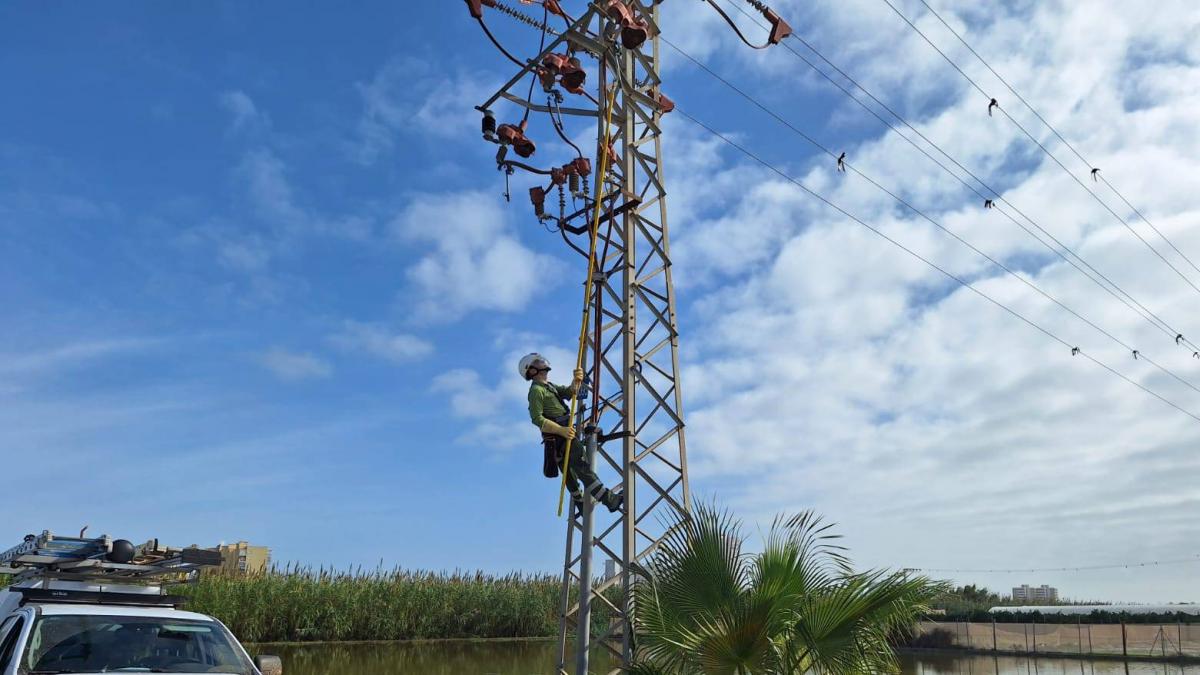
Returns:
point(1162, 641)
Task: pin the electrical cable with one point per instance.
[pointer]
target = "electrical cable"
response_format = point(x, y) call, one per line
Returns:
point(551, 105)
point(1056, 133)
point(926, 217)
point(734, 26)
point(950, 275)
point(1045, 150)
point(1077, 568)
point(1116, 291)
point(533, 74)
point(523, 17)
point(499, 46)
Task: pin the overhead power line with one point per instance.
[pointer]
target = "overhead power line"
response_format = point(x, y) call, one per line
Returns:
point(1049, 126)
point(1075, 568)
point(1043, 148)
point(997, 263)
point(950, 275)
point(1091, 273)
point(1075, 350)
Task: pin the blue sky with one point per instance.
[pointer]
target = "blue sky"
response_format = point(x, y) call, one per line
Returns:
point(259, 283)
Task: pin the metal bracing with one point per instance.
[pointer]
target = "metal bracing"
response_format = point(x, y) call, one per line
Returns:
point(634, 414)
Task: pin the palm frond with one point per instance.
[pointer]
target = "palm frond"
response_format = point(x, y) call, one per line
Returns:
point(847, 627)
point(705, 607)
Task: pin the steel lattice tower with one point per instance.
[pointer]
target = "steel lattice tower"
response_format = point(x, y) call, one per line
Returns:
point(634, 397)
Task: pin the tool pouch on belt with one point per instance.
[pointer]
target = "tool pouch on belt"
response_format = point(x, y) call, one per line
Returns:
point(553, 449)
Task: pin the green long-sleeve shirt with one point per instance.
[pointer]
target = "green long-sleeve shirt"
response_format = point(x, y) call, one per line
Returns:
point(545, 402)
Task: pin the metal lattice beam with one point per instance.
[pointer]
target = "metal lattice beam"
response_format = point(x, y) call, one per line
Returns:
point(633, 342)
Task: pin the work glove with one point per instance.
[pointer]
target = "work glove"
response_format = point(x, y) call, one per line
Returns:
point(578, 378)
point(552, 427)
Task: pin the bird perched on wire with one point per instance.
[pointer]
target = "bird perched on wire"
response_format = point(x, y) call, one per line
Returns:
point(987, 203)
point(1179, 339)
point(1074, 351)
point(1096, 175)
point(993, 104)
point(842, 163)
point(1135, 354)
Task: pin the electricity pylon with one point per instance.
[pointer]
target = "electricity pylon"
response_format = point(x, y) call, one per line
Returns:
point(633, 421)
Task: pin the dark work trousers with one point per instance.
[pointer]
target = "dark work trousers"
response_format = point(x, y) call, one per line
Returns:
point(578, 470)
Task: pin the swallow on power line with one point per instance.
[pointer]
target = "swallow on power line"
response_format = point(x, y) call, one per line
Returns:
point(1135, 354)
point(842, 163)
point(987, 204)
point(993, 104)
point(1096, 175)
point(1074, 351)
point(1179, 339)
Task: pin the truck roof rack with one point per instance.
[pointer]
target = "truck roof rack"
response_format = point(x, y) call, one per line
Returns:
point(74, 596)
point(97, 559)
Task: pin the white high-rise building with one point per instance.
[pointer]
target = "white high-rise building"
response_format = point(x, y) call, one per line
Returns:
point(1028, 593)
point(611, 569)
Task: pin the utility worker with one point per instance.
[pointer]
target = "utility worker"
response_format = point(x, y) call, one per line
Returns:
point(549, 412)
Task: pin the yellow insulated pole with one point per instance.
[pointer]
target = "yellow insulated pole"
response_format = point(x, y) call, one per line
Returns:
point(587, 284)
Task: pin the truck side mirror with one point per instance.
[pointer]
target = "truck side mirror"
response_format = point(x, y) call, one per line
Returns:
point(269, 665)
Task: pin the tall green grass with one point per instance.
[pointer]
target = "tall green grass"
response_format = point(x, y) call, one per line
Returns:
point(302, 604)
point(305, 604)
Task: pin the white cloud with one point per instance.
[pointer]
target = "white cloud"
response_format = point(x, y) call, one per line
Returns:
point(246, 115)
point(380, 342)
point(496, 416)
point(72, 354)
point(409, 98)
point(491, 415)
point(280, 224)
point(826, 368)
point(270, 191)
point(476, 262)
point(264, 177)
point(294, 366)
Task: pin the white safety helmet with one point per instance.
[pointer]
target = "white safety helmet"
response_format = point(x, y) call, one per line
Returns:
point(530, 360)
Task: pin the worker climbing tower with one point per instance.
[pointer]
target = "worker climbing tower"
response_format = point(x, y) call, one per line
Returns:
point(630, 410)
point(631, 415)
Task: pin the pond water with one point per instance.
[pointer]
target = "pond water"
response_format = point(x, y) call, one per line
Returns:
point(538, 658)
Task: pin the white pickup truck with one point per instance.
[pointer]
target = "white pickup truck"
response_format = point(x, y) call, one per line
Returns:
point(39, 636)
point(81, 605)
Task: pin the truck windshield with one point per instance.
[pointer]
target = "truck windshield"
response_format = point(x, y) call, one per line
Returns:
point(104, 644)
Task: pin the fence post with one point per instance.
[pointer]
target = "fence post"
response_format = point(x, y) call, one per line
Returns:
point(1179, 645)
point(994, 634)
point(1124, 641)
point(1079, 634)
point(1091, 649)
point(1025, 627)
point(1034, 641)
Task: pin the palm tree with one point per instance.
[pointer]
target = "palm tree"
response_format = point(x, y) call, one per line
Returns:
point(704, 606)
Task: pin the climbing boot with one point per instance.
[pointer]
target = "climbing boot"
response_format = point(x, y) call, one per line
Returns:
point(613, 500)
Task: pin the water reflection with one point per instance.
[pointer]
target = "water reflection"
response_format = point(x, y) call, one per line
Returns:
point(430, 658)
point(538, 658)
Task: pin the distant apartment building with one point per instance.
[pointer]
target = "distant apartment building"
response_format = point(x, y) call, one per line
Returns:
point(242, 559)
point(611, 569)
point(1027, 593)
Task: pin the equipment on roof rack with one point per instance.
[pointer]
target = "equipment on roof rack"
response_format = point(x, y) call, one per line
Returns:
point(93, 559)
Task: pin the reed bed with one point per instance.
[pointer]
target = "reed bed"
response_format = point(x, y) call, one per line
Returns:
point(301, 604)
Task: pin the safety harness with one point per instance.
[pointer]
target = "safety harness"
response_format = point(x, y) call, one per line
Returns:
point(554, 446)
